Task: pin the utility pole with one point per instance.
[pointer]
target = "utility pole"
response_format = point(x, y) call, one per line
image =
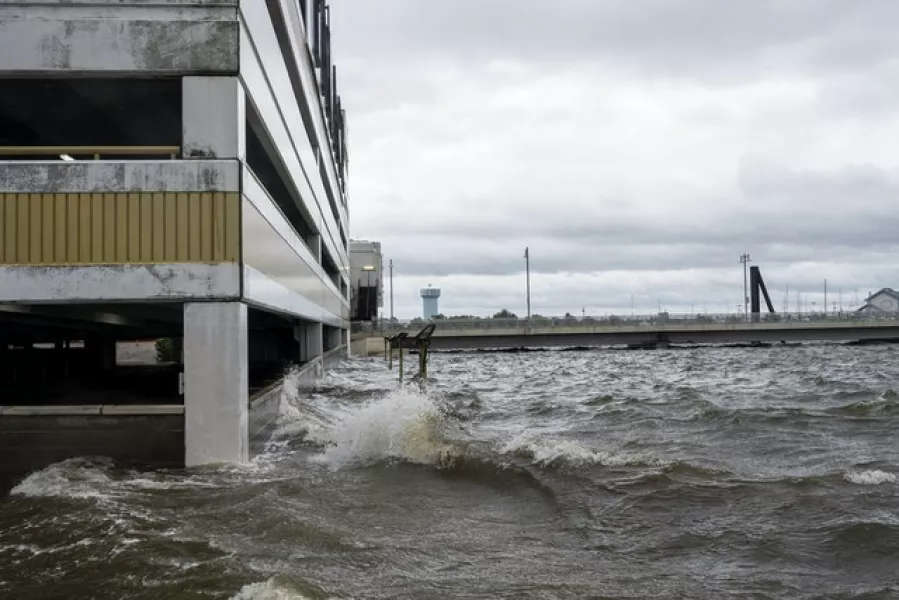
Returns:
point(390, 265)
point(527, 270)
point(787, 300)
point(825, 297)
point(744, 258)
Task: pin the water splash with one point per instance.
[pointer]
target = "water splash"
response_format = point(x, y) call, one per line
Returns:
point(273, 590)
point(72, 478)
point(404, 425)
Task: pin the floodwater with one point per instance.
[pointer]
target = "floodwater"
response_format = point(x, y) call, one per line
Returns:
point(684, 473)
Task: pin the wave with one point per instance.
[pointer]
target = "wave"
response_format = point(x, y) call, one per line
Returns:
point(883, 404)
point(548, 452)
point(273, 589)
point(872, 477)
point(83, 477)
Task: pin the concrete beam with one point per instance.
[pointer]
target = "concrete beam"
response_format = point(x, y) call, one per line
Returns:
point(119, 177)
point(123, 38)
point(216, 382)
point(83, 284)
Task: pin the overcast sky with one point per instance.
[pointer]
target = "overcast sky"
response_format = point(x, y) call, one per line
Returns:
point(636, 147)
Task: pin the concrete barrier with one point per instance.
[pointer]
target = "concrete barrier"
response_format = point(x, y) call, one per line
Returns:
point(265, 405)
point(34, 437)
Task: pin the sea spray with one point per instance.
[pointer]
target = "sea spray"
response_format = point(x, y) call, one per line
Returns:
point(404, 425)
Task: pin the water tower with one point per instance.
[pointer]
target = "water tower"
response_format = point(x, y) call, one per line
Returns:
point(429, 296)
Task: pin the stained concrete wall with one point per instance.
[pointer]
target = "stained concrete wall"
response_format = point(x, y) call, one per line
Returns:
point(30, 441)
point(167, 36)
point(120, 177)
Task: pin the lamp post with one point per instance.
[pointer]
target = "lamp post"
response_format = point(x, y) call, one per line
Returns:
point(744, 258)
point(390, 264)
point(527, 270)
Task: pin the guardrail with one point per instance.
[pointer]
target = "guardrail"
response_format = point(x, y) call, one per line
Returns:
point(388, 328)
point(94, 152)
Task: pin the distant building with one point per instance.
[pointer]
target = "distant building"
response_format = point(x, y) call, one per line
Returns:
point(429, 298)
point(884, 301)
point(366, 279)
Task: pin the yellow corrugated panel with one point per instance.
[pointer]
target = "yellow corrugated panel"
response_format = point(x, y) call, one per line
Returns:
point(84, 230)
point(182, 229)
point(48, 230)
point(60, 221)
point(232, 227)
point(109, 228)
point(106, 228)
point(157, 206)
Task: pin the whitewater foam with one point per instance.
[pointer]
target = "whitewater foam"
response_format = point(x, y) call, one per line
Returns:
point(267, 590)
point(405, 424)
point(547, 451)
point(72, 478)
point(873, 477)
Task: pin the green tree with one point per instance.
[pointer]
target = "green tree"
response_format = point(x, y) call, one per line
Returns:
point(505, 314)
point(165, 350)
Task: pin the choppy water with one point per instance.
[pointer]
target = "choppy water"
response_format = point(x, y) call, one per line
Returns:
point(701, 473)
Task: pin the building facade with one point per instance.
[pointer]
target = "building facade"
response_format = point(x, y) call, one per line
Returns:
point(366, 279)
point(884, 301)
point(180, 166)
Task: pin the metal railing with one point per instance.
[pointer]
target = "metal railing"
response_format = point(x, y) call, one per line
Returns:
point(587, 323)
point(93, 152)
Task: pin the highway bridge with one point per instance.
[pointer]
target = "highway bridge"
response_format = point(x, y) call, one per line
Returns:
point(649, 332)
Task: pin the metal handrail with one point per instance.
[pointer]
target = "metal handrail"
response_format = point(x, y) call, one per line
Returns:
point(95, 151)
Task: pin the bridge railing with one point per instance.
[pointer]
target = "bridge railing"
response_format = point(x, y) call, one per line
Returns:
point(656, 321)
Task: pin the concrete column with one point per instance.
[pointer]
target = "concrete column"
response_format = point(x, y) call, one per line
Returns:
point(332, 338)
point(103, 354)
point(216, 381)
point(214, 117)
point(311, 342)
point(314, 242)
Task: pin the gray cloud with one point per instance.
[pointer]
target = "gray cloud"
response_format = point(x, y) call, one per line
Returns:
point(699, 37)
point(635, 147)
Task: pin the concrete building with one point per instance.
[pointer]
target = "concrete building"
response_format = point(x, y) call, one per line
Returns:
point(884, 301)
point(171, 168)
point(366, 279)
point(429, 301)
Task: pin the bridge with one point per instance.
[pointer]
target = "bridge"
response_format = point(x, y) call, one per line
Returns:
point(646, 332)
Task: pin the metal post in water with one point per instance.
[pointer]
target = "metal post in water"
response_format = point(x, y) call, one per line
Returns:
point(401, 363)
point(386, 347)
point(390, 355)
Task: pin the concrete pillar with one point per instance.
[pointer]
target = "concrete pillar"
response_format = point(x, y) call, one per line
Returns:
point(311, 342)
point(314, 241)
point(102, 354)
point(213, 117)
point(216, 382)
point(332, 338)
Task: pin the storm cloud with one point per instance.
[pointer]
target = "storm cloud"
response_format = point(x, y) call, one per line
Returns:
point(637, 149)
